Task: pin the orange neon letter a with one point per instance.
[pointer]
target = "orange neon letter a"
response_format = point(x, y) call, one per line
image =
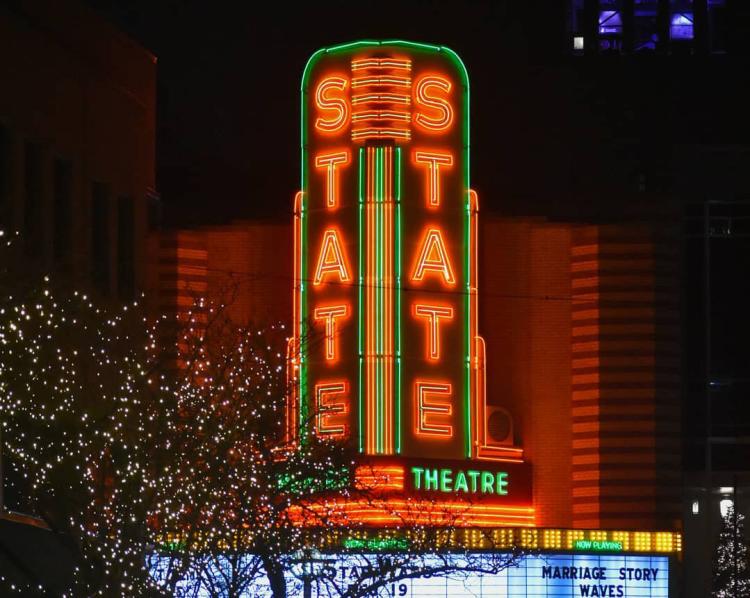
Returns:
point(331, 259)
point(434, 258)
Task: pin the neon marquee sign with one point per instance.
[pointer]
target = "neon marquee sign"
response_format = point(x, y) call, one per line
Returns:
point(386, 349)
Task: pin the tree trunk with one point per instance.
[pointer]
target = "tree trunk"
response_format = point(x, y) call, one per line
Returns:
point(275, 574)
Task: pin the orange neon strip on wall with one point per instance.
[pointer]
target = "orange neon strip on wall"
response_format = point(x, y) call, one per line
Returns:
point(381, 115)
point(395, 98)
point(439, 105)
point(336, 103)
point(330, 162)
point(329, 408)
point(433, 257)
point(393, 511)
point(381, 80)
point(330, 313)
point(433, 400)
point(293, 355)
point(381, 63)
point(432, 315)
point(379, 477)
point(433, 161)
point(373, 133)
point(331, 260)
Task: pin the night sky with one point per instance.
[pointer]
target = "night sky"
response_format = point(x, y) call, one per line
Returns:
point(229, 73)
point(552, 134)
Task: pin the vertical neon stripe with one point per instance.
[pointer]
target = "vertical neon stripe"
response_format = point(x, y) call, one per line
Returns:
point(360, 336)
point(379, 302)
point(397, 406)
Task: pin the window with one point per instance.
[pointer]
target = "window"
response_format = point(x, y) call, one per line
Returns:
point(681, 26)
point(62, 210)
point(125, 248)
point(100, 236)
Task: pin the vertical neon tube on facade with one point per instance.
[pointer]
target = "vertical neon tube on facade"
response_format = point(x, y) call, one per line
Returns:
point(360, 312)
point(398, 266)
point(379, 304)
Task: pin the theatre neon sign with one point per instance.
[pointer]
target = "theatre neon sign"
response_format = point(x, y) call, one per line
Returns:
point(386, 351)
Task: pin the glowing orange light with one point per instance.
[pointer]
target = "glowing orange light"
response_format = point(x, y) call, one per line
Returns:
point(331, 260)
point(359, 134)
point(381, 115)
point(433, 401)
point(432, 315)
point(379, 303)
point(381, 80)
point(329, 162)
point(379, 477)
point(433, 161)
point(381, 63)
point(330, 313)
point(332, 403)
point(433, 257)
point(392, 511)
point(442, 117)
point(396, 98)
point(332, 102)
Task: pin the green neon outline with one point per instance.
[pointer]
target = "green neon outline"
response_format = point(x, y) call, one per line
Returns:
point(463, 73)
point(361, 306)
point(380, 385)
point(397, 274)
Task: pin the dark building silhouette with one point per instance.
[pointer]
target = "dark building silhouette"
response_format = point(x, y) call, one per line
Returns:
point(77, 177)
point(77, 143)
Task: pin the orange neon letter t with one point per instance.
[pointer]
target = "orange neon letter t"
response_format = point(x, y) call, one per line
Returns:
point(432, 315)
point(433, 161)
point(329, 162)
point(330, 313)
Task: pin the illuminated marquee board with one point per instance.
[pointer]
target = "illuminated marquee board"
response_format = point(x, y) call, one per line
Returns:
point(544, 576)
point(386, 348)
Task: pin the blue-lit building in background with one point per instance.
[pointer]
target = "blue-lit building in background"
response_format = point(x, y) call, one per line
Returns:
point(665, 26)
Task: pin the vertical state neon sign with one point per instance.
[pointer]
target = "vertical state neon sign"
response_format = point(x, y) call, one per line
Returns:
point(385, 227)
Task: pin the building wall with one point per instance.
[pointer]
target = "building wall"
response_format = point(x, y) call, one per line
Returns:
point(626, 378)
point(77, 122)
point(582, 332)
point(524, 311)
point(246, 266)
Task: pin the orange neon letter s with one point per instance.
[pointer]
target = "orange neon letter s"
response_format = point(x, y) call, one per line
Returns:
point(433, 257)
point(328, 98)
point(442, 111)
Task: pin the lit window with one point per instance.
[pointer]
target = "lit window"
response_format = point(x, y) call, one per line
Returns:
point(578, 43)
point(610, 22)
point(724, 505)
point(681, 26)
point(696, 507)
